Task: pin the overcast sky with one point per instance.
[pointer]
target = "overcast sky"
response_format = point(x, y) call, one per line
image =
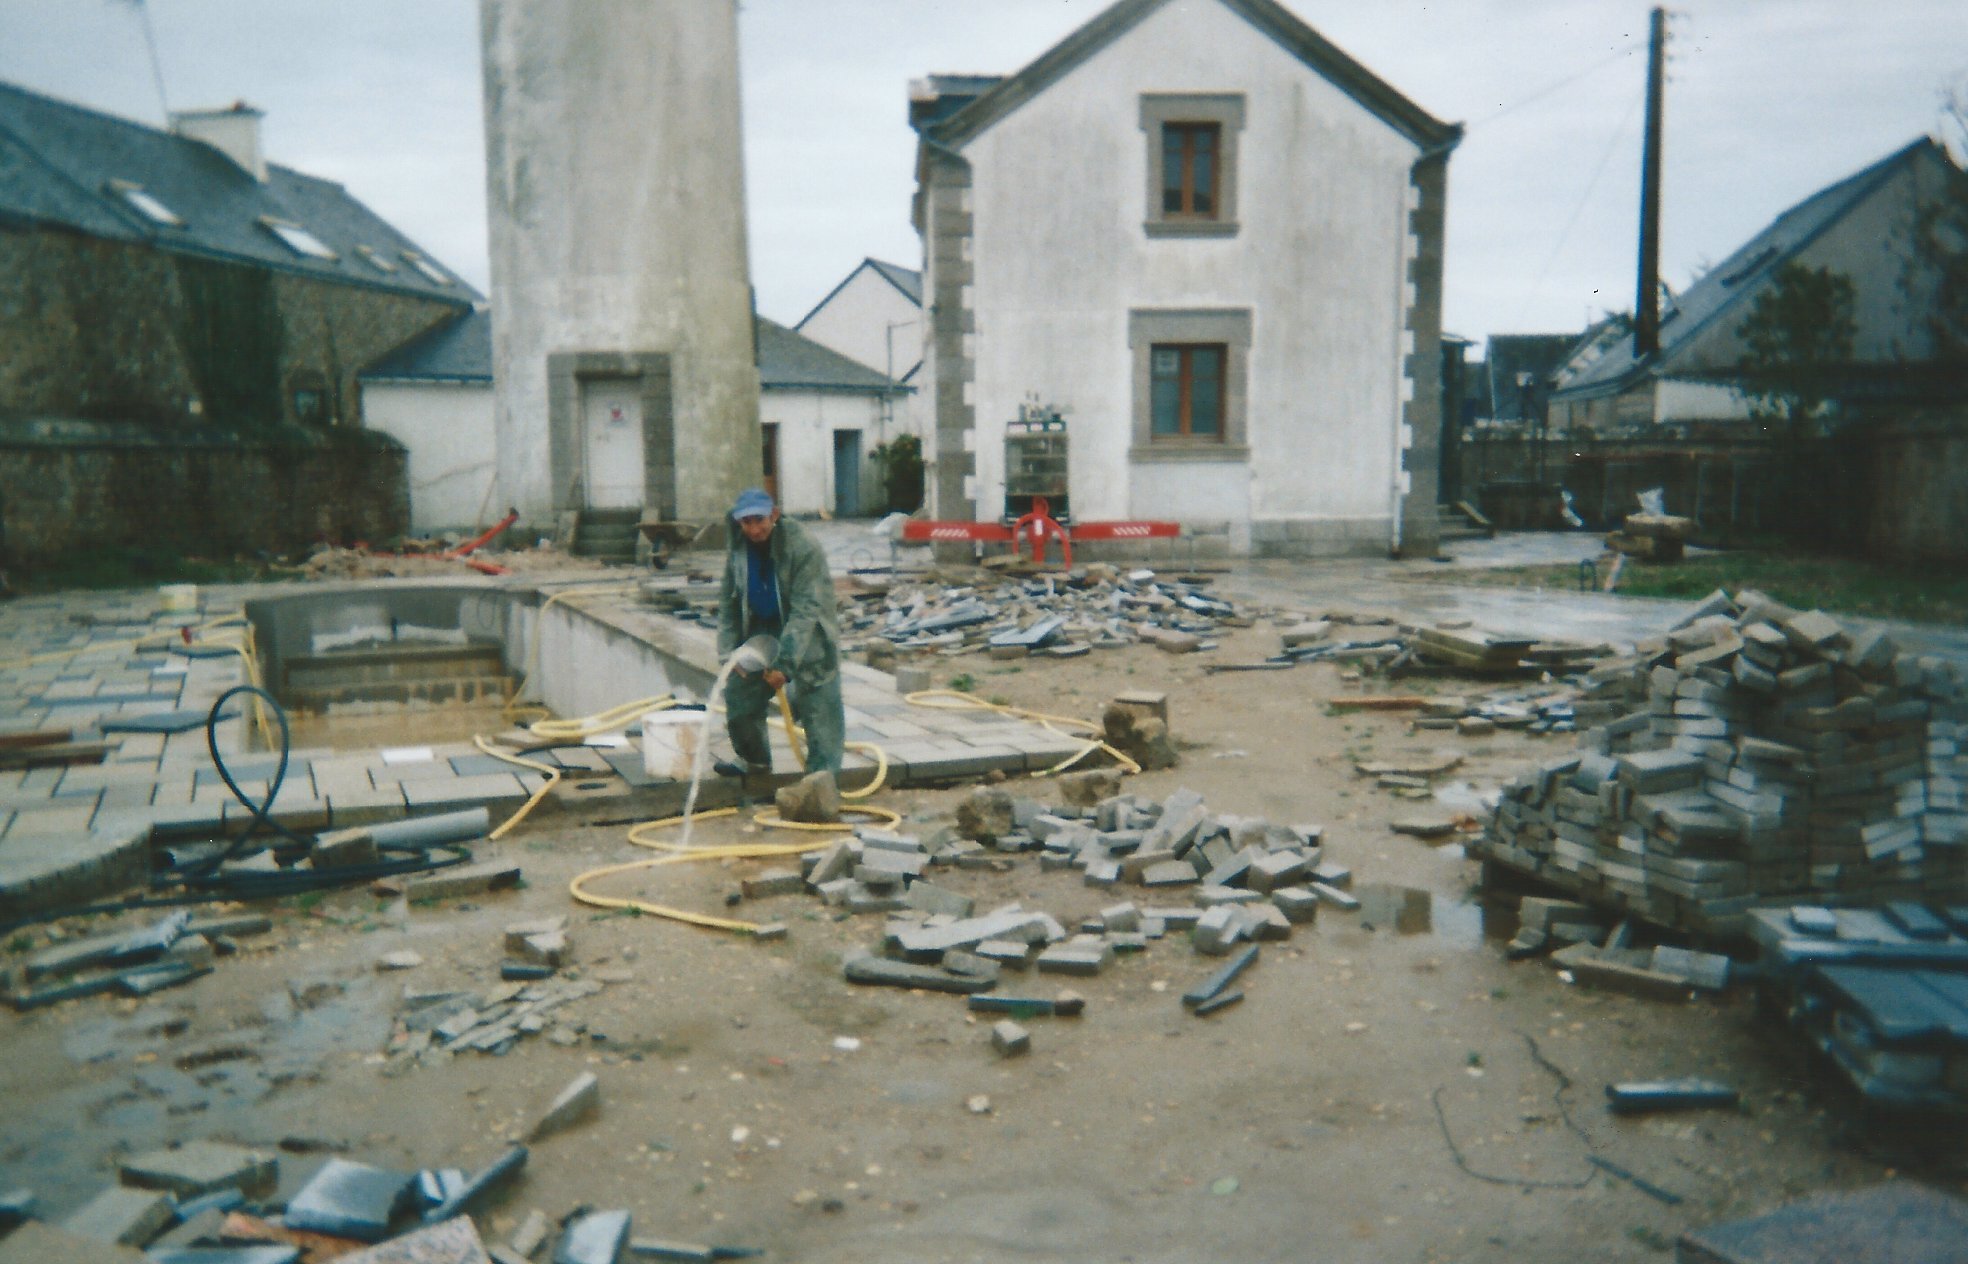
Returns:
point(1768, 100)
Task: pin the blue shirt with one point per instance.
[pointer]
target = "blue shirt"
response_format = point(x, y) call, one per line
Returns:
point(761, 585)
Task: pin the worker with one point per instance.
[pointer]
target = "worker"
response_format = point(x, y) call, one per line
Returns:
point(776, 584)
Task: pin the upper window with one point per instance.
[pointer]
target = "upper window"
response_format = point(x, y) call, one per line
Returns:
point(1189, 169)
point(375, 259)
point(147, 204)
point(1186, 391)
point(1192, 163)
point(297, 239)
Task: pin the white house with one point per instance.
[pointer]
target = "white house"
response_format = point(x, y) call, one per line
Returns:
point(434, 396)
point(1862, 228)
point(875, 318)
point(1213, 242)
point(822, 416)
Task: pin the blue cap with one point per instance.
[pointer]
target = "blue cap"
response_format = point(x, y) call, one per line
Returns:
point(752, 503)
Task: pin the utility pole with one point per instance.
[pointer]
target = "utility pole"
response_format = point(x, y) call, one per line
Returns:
point(1646, 303)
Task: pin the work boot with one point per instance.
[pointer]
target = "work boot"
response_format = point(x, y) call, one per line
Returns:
point(731, 768)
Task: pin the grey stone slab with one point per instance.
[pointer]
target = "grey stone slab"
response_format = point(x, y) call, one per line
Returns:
point(127, 1217)
point(201, 1167)
point(350, 1200)
point(881, 972)
point(37, 1243)
point(595, 1238)
point(269, 1254)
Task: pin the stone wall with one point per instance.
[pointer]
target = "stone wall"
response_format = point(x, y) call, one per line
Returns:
point(1918, 485)
point(1895, 488)
point(98, 330)
point(77, 485)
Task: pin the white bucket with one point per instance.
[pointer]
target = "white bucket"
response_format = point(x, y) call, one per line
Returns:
point(669, 743)
point(179, 598)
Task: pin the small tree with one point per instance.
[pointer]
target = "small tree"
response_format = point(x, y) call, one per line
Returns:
point(901, 463)
point(1938, 263)
point(1800, 331)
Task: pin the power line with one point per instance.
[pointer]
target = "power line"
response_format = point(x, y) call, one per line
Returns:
point(156, 66)
point(1625, 50)
point(1612, 145)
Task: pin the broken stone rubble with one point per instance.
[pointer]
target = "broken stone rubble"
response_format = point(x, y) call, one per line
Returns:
point(344, 1209)
point(1091, 607)
point(1249, 880)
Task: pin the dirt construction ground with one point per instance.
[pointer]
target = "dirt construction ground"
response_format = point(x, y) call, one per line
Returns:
point(1301, 1124)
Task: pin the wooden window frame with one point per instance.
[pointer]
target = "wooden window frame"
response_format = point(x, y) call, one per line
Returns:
point(1185, 385)
point(1162, 111)
point(1226, 328)
point(1187, 149)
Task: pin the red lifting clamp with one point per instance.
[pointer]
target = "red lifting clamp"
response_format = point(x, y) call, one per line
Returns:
point(1040, 526)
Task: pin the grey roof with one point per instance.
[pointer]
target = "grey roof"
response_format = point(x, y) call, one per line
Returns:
point(907, 280)
point(459, 350)
point(1731, 286)
point(60, 165)
point(792, 361)
point(955, 121)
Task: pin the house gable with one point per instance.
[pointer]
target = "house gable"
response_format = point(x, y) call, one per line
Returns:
point(1059, 272)
point(1269, 17)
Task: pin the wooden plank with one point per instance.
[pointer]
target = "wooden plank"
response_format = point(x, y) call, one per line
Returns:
point(1378, 702)
point(53, 756)
point(34, 737)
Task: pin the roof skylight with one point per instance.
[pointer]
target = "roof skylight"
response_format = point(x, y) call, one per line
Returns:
point(375, 259)
point(426, 267)
point(147, 204)
point(298, 239)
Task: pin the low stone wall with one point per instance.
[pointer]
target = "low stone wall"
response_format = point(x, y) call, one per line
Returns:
point(70, 486)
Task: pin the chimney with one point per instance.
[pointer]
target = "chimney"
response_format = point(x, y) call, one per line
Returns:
point(234, 132)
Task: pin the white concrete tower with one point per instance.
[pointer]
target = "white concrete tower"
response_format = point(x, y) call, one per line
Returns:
point(623, 359)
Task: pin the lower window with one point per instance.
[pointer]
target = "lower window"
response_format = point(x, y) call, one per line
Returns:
point(1186, 390)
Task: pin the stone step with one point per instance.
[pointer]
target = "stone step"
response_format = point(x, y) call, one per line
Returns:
point(439, 691)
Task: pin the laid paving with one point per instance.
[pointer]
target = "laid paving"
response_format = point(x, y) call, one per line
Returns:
point(118, 669)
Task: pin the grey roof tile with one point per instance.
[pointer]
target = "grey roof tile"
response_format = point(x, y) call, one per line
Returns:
point(59, 164)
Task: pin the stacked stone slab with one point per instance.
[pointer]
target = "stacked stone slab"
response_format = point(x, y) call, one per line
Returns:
point(1757, 754)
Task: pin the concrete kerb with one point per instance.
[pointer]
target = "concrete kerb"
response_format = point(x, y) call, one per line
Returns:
point(41, 869)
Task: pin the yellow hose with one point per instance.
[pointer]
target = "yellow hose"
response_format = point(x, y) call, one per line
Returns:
point(736, 851)
point(546, 787)
point(951, 700)
point(797, 736)
point(539, 620)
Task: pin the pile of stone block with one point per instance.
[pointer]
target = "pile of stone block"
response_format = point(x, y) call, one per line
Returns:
point(211, 1202)
point(1757, 754)
point(1652, 537)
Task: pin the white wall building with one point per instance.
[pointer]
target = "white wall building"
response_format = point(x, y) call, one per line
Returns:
point(822, 415)
point(1214, 242)
point(434, 396)
point(875, 318)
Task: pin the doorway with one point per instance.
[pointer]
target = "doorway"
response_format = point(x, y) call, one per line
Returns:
point(769, 442)
point(847, 473)
point(611, 442)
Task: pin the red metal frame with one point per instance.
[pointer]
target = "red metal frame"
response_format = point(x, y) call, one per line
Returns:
point(1040, 526)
